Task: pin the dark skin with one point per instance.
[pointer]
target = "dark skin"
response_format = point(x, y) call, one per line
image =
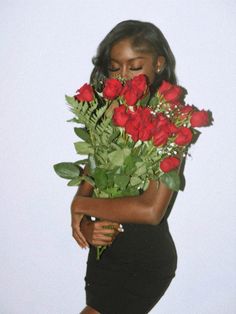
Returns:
point(148, 208)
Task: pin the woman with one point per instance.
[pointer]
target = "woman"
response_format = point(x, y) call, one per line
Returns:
point(139, 264)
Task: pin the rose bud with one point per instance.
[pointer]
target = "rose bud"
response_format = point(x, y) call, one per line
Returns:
point(199, 118)
point(169, 163)
point(120, 116)
point(112, 88)
point(184, 136)
point(85, 93)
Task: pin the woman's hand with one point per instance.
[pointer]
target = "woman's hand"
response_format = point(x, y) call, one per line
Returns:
point(99, 233)
point(96, 233)
point(76, 220)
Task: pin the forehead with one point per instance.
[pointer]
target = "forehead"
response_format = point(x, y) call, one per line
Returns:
point(124, 50)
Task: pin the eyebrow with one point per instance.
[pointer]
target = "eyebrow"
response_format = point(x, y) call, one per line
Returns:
point(132, 59)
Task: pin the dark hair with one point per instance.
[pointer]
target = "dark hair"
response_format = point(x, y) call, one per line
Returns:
point(146, 37)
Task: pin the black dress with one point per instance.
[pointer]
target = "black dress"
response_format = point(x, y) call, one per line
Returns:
point(134, 272)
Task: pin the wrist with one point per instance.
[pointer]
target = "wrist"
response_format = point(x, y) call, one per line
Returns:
point(75, 205)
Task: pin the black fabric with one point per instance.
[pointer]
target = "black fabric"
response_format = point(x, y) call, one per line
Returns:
point(134, 272)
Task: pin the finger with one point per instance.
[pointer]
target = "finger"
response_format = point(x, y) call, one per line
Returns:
point(79, 236)
point(104, 231)
point(105, 223)
point(78, 240)
point(81, 243)
point(108, 232)
point(106, 238)
point(101, 240)
point(108, 225)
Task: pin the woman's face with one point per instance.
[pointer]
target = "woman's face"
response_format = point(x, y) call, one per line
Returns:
point(127, 62)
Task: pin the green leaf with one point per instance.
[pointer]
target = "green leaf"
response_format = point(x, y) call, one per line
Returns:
point(83, 134)
point(121, 180)
point(135, 180)
point(89, 180)
point(100, 178)
point(154, 101)
point(92, 164)
point(130, 164)
point(171, 179)
point(73, 120)
point(101, 194)
point(117, 157)
point(71, 100)
point(196, 135)
point(75, 181)
point(144, 101)
point(115, 133)
point(114, 192)
point(141, 168)
point(81, 162)
point(83, 148)
point(67, 170)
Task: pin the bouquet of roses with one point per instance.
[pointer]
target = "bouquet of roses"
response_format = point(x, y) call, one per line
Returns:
point(130, 136)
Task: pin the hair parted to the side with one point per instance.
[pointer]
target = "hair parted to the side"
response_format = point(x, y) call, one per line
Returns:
point(145, 37)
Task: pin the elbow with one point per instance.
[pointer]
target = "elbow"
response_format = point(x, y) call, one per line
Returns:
point(157, 212)
point(153, 214)
point(154, 217)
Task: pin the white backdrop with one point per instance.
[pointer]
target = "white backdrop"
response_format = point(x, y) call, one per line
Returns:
point(45, 51)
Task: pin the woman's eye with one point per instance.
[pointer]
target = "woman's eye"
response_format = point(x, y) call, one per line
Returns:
point(113, 69)
point(136, 69)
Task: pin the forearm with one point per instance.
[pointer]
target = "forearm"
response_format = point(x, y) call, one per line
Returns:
point(148, 208)
point(85, 189)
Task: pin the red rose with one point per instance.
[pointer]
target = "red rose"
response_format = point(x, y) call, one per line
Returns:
point(132, 129)
point(133, 124)
point(134, 89)
point(171, 93)
point(120, 116)
point(169, 163)
point(160, 137)
point(145, 133)
point(161, 121)
point(112, 88)
point(199, 118)
point(130, 94)
point(173, 128)
point(85, 93)
point(139, 83)
point(139, 124)
point(135, 118)
point(185, 111)
point(146, 125)
point(184, 136)
point(145, 114)
point(165, 86)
